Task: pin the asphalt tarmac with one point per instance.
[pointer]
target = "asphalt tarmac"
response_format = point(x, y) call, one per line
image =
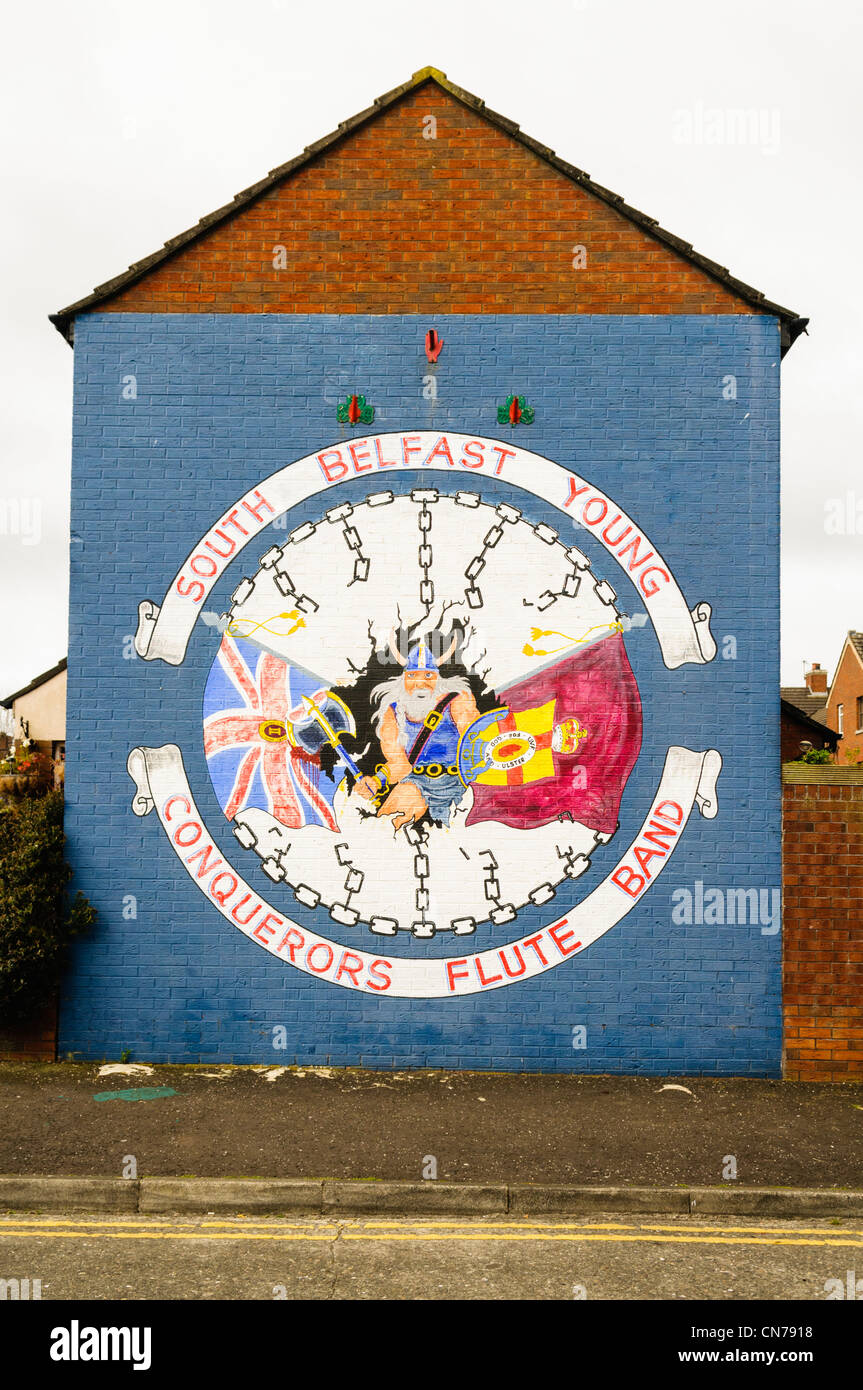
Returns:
point(320, 1123)
point(92, 1257)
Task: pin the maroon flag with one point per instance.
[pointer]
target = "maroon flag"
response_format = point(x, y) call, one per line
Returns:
point(580, 723)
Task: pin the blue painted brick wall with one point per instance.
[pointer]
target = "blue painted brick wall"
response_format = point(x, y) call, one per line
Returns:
point(635, 403)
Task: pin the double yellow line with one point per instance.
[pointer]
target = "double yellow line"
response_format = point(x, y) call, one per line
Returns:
point(321, 1229)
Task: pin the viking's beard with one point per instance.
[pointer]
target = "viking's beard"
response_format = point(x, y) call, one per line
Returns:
point(416, 704)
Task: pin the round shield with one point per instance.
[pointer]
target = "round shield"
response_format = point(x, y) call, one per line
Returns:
point(483, 748)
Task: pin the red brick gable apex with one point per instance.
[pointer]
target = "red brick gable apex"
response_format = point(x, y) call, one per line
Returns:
point(348, 191)
point(853, 644)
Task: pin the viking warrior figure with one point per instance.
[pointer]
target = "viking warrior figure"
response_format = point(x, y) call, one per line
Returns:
point(420, 719)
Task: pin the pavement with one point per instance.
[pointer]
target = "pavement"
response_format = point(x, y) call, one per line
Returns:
point(351, 1141)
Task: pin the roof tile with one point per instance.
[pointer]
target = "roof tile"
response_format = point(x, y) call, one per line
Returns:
point(791, 324)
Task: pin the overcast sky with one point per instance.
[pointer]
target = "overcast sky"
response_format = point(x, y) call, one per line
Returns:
point(123, 124)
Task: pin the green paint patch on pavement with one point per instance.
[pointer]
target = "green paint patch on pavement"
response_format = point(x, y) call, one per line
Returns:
point(138, 1093)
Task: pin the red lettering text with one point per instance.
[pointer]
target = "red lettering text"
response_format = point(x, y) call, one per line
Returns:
point(636, 560)
point(256, 511)
point(319, 946)
point(376, 970)
point(513, 974)
point(360, 450)
point(502, 454)
point(655, 834)
point(382, 462)
point(188, 825)
point(195, 590)
point(349, 970)
point(231, 520)
point(532, 942)
point(204, 856)
point(335, 468)
point(632, 885)
point(296, 939)
point(222, 894)
point(440, 450)
point(560, 940)
point(223, 554)
point(453, 974)
point(197, 561)
point(477, 960)
point(574, 491)
point(615, 540)
point(410, 445)
point(650, 589)
point(644, 854)
point(263, 928)
point(470, 453)
point(235, 911)
point(594, 520)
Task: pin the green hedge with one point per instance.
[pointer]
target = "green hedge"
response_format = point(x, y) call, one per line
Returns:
point(37, 918)
point(816, 756)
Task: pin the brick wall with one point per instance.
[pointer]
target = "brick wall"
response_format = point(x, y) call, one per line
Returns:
point(237, 365)
point(846, 689)
point(33, 1041)
point(822, 834)
point(222, 402)
point(387, 221)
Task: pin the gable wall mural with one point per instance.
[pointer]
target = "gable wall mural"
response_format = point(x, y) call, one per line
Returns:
point(421, 691)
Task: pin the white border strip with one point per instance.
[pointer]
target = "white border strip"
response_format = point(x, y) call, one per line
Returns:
point(684, 635)
point(160, 778)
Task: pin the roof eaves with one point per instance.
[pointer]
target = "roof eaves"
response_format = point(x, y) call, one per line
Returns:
point(63, 320)
point(791, 324)
point(9, 700)
point(804, 718)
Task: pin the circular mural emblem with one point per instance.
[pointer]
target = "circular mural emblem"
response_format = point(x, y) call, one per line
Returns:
point(420, 717)
point(420, 790)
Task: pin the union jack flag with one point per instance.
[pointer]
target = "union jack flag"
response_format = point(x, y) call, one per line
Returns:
point(249, 699)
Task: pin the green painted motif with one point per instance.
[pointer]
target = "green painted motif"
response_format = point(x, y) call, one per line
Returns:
point(515, 412)
point(353, 411)
point(138, 1093)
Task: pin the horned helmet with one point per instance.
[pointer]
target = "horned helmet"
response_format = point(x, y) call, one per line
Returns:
point(421, 656)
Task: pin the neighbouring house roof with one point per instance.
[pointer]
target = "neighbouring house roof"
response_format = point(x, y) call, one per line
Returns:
point(791, 324)
point(803, 698)
point(856, 640)
point(8, 702)
point(806, 721)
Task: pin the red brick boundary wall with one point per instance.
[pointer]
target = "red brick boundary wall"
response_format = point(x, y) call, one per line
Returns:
point(822, 849)
point(33, 1041)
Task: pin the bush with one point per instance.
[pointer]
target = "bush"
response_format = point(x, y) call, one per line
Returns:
point(37, 919)
point(33, 773)
point(816, 755)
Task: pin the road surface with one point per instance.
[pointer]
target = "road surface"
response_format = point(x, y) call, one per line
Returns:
point(680, 1258)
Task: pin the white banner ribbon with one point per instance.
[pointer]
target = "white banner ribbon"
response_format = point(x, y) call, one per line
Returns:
point(684, 635)
point(688, 779)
